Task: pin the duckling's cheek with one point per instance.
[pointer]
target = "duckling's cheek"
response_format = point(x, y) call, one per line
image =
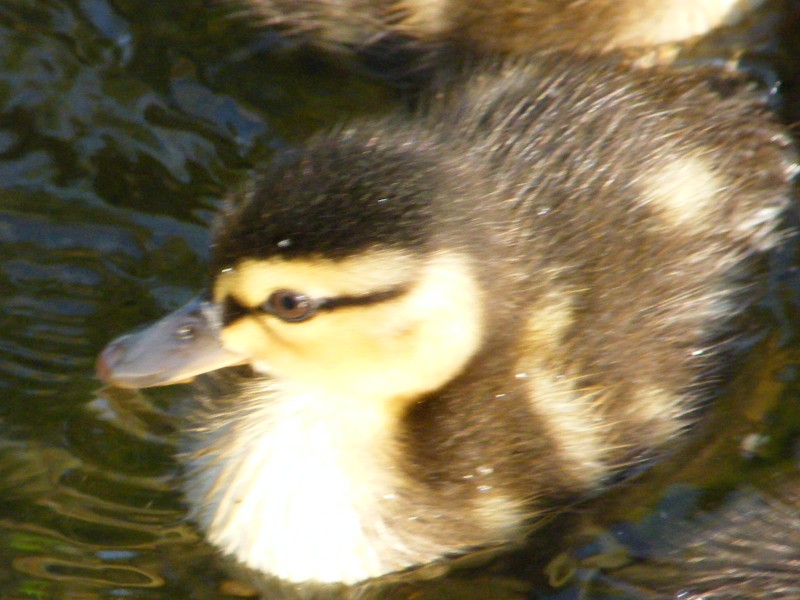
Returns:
point(322, 350)
point(250, 338)
point(335, 350)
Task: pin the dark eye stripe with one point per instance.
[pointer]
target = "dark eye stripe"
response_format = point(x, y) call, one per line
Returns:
point(363, 300)
point(233, 310)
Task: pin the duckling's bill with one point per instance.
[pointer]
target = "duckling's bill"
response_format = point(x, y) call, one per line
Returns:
point(174, 349)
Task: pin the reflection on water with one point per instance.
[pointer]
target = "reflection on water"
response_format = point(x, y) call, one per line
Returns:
point(76, 525)
point(121, 125)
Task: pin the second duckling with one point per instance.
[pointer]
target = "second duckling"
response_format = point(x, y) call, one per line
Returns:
point(461, 318)
point(485, 27)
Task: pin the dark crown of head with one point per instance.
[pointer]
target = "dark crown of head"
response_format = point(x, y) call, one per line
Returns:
point(332, 200)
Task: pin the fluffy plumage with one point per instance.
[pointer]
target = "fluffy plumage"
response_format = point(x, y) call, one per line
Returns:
point(428, 30)
point(462, 317)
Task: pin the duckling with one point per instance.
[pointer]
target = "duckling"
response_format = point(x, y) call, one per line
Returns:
point(460, 319)
point(483, 27)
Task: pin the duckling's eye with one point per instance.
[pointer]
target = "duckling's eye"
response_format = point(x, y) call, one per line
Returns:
point(289, 305)
point(185, 332)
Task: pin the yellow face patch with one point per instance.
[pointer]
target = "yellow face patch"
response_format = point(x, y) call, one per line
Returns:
point(400, 347)
point(252, 281)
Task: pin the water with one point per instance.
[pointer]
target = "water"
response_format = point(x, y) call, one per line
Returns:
point(121, 126)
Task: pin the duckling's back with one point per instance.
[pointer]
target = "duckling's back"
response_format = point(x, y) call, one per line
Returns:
point(615, 218)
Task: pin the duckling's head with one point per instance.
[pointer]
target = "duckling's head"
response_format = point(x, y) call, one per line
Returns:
point(332, 270)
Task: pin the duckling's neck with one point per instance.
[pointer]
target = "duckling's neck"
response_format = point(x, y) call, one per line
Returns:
point(300, 485)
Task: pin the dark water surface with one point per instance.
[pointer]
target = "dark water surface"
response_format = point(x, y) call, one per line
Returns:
point(121, 126)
